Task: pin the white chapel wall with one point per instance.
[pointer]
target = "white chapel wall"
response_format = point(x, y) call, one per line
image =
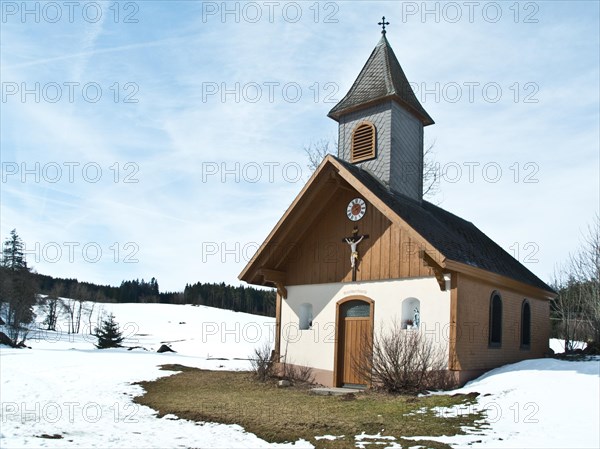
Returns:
point(315, 346)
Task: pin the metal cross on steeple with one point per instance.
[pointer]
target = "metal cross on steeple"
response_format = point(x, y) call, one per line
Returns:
point(383, 23)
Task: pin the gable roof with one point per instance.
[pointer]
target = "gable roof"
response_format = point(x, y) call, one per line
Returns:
point(455, 239)
point(381, 78)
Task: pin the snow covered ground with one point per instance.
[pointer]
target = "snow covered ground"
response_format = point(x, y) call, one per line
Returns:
point(64, 386)
point(541, 403)
point(558, 346)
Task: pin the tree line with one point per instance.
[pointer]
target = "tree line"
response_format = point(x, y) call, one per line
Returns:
point(219, 295)
point(21, 287)
point(238, 299)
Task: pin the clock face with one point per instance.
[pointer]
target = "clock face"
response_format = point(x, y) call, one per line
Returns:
point(356, 209)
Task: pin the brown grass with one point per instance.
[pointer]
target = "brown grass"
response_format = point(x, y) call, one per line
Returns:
point(287, 414)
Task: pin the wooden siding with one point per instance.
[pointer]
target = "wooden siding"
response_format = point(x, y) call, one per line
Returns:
point(470, 306)
point(320, 256)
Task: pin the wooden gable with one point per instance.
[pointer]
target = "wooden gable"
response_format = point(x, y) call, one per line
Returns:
point(306, 246)
point(323, 257)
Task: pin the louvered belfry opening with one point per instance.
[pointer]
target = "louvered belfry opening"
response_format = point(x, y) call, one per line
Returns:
point(363, 142)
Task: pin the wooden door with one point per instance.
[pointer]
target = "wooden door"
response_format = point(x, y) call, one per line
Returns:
point(355, 334)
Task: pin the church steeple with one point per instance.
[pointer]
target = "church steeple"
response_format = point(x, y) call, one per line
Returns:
point(381, 123)
point(381, 78)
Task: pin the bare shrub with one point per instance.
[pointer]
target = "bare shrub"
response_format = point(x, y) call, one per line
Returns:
point(298, 373)
point(402, 361)
point(262, 362)
point(577, 282)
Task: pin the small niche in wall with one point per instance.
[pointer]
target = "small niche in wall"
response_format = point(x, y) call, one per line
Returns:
point(306, 316)
point(411, 313)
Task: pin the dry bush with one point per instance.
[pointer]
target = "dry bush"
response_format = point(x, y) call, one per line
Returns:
point(298, 373)
point(262, 362)
point(402, 361)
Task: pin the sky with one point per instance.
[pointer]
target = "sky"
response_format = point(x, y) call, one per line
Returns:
point(166, 138)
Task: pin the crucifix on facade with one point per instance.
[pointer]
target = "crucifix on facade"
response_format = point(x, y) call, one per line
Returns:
point(353, 242)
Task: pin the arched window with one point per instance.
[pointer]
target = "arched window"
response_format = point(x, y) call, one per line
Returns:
point(411, 313)
point(363, 142)
point(525, 325)
point(495, 320)
point(356, 309)
point(306, 316)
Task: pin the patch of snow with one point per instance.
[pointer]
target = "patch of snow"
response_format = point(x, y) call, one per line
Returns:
point(64, 386)
point(420, 411)
point(455, 411)
point(329, 437)
point(363, 440)
point(558, 345)
point(538, 403)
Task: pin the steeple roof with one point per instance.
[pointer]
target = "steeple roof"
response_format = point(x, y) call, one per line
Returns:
point(381, 78)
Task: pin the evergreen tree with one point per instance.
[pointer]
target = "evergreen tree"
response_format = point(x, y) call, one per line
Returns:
point(12, 253)
point(17, 287)
point(109, 335)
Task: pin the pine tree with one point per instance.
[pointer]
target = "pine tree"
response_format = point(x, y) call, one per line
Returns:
point(12, 253)
point(109, 335)
point(17, 287)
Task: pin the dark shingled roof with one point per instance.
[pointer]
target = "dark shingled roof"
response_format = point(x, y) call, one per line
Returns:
point(455, 238)
point(381, 78)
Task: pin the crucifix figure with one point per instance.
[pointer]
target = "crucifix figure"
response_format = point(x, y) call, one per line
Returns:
point(353, 242)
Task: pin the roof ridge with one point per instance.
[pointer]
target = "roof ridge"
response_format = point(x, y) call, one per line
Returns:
point(458, 239)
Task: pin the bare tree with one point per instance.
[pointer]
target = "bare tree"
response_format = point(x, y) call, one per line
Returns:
point(90, 312)
point(431, 173)
point(51, 305)
point(317, 151)
point(402, 361)
point(568, 305)
point(82, 296)
point(262, 363)
point(577, 282)
point(69, 306)
point(590, 268)
point(99, 319)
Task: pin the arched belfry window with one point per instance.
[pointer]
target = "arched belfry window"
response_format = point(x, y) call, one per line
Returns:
point(525, 325)
point(363, 142)
point(495, 320)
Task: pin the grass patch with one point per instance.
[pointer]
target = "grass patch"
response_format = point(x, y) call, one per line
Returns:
point(288, 414)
